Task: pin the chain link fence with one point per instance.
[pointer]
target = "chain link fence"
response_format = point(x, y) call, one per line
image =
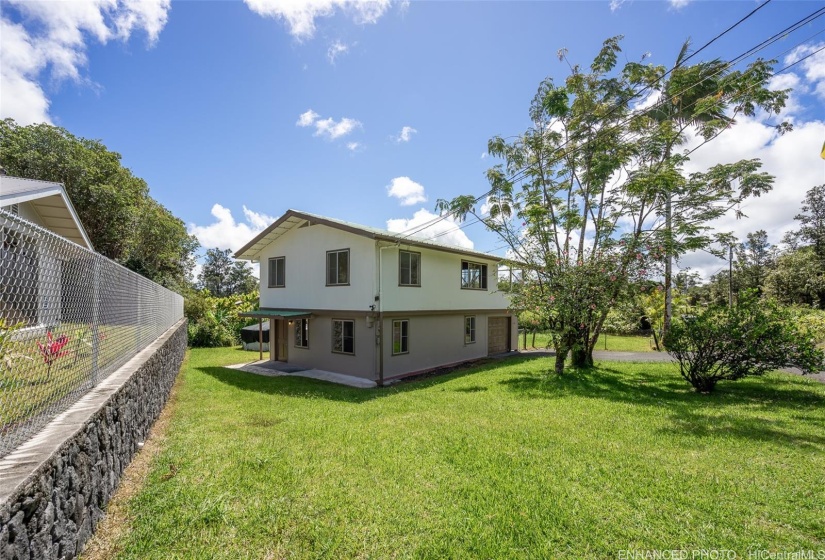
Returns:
point(69, 317)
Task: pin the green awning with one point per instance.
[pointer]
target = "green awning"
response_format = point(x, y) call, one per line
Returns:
point(276, 314)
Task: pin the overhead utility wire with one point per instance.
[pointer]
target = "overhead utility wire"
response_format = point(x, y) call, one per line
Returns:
point(736, 60)
point(416, 229)
point(703, 47)
point(477, 220)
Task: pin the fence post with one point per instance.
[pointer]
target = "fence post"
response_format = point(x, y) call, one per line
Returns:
point(95, 319)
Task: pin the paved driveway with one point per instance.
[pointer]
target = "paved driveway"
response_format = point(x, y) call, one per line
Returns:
point(652, 357)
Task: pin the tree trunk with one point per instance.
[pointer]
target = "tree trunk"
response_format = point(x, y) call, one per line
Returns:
point(668, 262)
point(582, 357)
point(560, 357)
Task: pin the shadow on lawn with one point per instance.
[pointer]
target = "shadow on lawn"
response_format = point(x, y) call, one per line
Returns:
point(302, 387)
point(733, 410)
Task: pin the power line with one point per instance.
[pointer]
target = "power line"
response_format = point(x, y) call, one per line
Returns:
point(767, 42)
point(753, 50)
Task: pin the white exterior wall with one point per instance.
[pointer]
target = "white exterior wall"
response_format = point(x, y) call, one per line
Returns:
point(306, 268)
point(440, 284)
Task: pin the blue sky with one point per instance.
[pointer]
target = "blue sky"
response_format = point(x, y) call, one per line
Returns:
point(235, 111)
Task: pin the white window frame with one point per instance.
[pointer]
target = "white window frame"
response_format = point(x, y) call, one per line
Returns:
point(401, 327)
point(409, 255)
point(343, 337)
point(273, 278)
point(473, 275)
point(301, 333)
point(337, 253)
point(470, 329)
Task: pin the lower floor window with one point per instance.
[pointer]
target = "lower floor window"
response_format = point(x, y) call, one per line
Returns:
point(343, 336)
point(469, 330)
point(302, 333)
point(400, 336)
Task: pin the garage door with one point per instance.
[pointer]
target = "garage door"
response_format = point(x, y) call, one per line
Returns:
point(498, 335)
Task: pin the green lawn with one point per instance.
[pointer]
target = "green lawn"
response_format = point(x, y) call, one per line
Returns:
point(617, 343)
point(499, 461)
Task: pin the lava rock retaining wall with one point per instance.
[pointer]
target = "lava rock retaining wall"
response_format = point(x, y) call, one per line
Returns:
point(55, 487)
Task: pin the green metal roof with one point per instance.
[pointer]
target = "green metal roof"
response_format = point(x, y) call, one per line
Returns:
point(275, 314)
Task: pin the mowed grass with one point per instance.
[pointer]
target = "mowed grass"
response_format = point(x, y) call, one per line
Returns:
point(496, 461)
point(611, 342)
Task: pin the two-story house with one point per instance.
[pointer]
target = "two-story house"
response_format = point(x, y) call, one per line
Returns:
point(374, 304)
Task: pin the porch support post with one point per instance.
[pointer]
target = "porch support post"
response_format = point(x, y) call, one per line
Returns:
point(260, 339)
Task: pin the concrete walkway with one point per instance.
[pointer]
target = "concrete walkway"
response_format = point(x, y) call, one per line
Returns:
point(662, 357)
point(278, 369)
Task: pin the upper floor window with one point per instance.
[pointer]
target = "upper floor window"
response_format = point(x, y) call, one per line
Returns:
point(277, 272)
point(302, 333)
point(338, 267)
point(473, 275)
point(409, 268)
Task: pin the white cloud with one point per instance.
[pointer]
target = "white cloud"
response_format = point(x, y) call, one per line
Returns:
point(616, 4)
point(306, 119)
point(440, 231)
point(300, 15)
point(407, 191)
point(406, 134)
point(225, 233)
point(336, 49)
point(678, 4)
point(483, 155)
point(812, 67)
point(52, 43)
point(793, 159)
point(333, 130)
point(354, 146)
point(327, 127)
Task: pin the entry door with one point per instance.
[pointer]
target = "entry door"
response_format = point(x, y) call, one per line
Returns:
point(282, 335)
point(498, 335)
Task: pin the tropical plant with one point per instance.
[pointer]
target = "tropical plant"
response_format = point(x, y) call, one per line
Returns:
point(722, 344)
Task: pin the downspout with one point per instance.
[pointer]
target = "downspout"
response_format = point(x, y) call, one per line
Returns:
point(381, 314)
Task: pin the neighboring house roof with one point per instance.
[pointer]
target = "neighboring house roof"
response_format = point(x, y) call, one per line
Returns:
point(294, 219)
point(51, 203)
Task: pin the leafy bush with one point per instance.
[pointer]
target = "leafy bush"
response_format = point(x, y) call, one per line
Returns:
point(214, 321)
point(210, 333)
point(753, 338)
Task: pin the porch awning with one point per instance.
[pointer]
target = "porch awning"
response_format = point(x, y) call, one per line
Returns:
point(276, 314)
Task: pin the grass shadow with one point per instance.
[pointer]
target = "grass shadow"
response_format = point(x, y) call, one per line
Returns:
point(785, 397)
point(303, 387)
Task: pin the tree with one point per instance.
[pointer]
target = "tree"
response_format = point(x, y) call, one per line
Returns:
point(755, 258)
point(215, 273)
point(683, 104)
point(797, 278)
point(750, 339)
point(580, 197)
point(124, 223)
point(241, 280)
point(812, 234)
point(166, 251)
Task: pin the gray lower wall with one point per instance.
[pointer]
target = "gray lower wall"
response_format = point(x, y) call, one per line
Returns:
point(54, 488)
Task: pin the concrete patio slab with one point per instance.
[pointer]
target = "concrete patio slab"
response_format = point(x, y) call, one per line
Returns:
point(269, 369)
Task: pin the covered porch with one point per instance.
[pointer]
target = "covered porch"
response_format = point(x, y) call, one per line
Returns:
point(280, 327)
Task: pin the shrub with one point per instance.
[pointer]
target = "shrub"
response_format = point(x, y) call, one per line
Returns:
point(753, 338)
